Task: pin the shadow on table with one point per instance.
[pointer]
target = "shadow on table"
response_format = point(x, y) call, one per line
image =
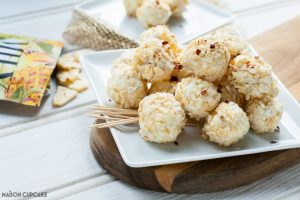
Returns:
point(12, 108)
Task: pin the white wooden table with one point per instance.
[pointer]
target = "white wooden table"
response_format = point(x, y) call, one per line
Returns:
point(47, 150)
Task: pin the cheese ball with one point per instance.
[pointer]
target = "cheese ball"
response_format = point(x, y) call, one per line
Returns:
point(161, 118)
point(197, 96)
point(163, 86)
point(252, 76)
point(127, 57)
point(264, 115)
point(234, 43)
point(125, 87)
point(162, 33)
point(208, 59)
point(227, 125)
point(155, 60)
point(131, 6)
point(153, 12)
point(177, 6)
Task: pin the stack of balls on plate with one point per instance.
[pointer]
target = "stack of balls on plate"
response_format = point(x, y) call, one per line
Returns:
point(154, 12)
point(214, 77)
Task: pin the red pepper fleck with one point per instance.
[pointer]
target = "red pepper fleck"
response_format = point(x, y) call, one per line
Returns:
point(174, 78)
point(165, 43)
point(203, 92)
point(212, 46)
point(177, 66)
point(273, 141)
point(250, 65)
point(198, 51)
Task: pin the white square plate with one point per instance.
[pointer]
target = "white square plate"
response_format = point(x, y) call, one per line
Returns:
point(138, 153)
point(199, 18)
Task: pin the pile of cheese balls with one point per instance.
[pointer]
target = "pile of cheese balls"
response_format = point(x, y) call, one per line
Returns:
point(154, 12)
point(213, 77)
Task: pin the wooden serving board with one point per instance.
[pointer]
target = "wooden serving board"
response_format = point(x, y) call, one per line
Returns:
point(281, 48)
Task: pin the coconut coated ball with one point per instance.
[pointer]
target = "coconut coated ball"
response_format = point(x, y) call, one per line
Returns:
point(131, 6)
point(252, 76)
point(125, 87)
point(155, 60)
point(264, 115)
point(153, 12)
point(162, 33)
point(197, 96)
point(161, 118)
point(227, 125)
point(177, 6)
point(208, 59)
point(163, 86)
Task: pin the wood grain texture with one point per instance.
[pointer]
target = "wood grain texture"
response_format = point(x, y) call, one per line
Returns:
point(245, 5)
point(195, 177)
point(281, 47)
point(258, 21)
point(166, 174)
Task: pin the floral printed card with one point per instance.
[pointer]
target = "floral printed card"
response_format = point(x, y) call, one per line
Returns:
point(26, 65)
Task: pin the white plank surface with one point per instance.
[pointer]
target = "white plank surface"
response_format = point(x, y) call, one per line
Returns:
point(48, 157)
point(12, 114)
point(13, 8)
point(50, 151)
point(81, 186)
point(42, 26)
